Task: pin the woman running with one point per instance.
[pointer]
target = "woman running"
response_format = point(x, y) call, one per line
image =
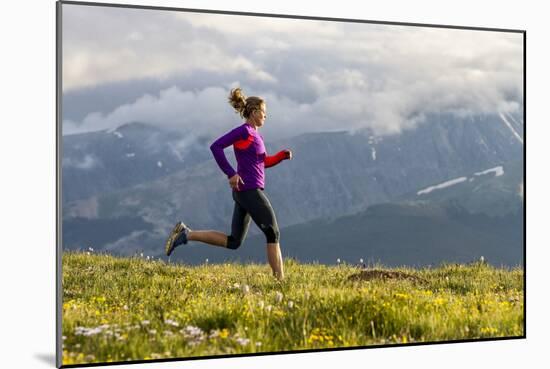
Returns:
point(247, 184)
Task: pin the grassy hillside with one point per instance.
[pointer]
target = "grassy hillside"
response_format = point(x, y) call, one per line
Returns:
point(123, 309)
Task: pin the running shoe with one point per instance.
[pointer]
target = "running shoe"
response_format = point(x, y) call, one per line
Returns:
point(177, 237)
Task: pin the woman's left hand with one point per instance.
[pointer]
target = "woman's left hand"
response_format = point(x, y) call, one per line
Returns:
point(289, 153)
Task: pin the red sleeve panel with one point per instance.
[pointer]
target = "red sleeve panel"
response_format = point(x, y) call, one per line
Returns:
point(272, 160)
point(244, 144)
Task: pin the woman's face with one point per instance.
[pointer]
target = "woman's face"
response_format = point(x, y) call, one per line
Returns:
point(259, 116)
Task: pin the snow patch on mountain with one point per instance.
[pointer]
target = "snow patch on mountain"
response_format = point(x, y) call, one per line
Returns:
point(442, 185)
point(509, 125)
point(521, 191)
point(497, 170)
point(373, 140)
point(512, 118)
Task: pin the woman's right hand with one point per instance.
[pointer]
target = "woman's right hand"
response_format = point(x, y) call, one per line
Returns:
point(234, 182)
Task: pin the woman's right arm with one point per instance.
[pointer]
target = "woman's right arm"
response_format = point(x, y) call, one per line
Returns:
point(221, 143)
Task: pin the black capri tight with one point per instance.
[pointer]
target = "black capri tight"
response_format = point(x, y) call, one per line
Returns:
point(252, 204)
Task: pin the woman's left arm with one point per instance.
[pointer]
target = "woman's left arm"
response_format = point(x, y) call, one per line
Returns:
point(270, 161)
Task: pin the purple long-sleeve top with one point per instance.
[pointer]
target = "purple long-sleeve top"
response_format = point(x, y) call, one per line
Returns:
point(250, 153)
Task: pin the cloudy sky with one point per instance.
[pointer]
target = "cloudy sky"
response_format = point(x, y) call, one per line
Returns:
point(175, 69)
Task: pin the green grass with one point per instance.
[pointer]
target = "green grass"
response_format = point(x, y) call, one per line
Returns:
point(124, 309)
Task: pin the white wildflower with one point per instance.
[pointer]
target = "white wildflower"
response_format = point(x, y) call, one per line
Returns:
point(278, 297)
point(84, 331)
point(242, 341)
point(290, 304)
point(361, 260)
point(338, 260)
point(191, 330)
point(194, 335)
point(261, 304)
point(246, 289)
point(268, 308)
point(258, 344)
point(145, 322)
point(171, 322)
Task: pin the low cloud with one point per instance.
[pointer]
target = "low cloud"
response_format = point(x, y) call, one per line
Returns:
point(87, 162)
point(171, 108)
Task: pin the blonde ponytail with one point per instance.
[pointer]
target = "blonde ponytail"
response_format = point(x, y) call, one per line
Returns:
point(242, 104)
point(237, 100)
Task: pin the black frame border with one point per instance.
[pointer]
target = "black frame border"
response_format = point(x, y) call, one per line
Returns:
point(58, 185)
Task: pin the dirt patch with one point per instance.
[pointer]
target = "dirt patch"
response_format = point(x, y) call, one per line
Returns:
point(369, 275)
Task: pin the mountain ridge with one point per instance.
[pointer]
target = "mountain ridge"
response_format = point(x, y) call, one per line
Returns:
point(332, 175)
